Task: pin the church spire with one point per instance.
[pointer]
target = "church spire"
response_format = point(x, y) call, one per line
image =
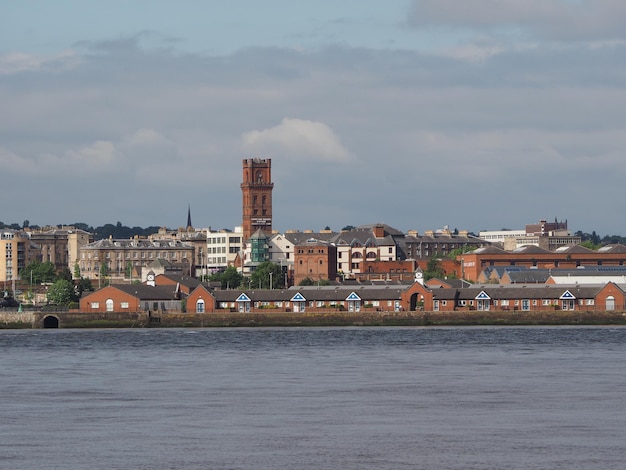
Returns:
point(189, 217)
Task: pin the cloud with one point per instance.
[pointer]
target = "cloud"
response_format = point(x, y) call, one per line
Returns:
point(297, 138)
point(549, 19)
point(20, 62)
point(436, 135)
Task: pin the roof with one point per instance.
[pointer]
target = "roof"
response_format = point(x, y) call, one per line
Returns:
point(520, 291)
point(317, 293)
point(183, 280)
point(571, 249)
point(531, 250)
point(146, 292)
point(137, 244)
point(617, 248)
point(489, 250)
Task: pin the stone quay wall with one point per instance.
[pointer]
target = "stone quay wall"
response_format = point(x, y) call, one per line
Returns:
point(75, 319)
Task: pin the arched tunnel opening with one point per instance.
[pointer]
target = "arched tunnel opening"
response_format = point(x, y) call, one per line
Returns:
point(50, 322)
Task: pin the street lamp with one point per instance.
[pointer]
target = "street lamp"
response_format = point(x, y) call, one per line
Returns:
point(271, 285)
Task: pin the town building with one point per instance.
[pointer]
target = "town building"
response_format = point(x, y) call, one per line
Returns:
point(256, 190)
point(315, 260)
point(122, 258)
point(133, 298)
point(436, 243)
point(223, 248)
point(546, 235)
point(570, 257)
point(17, 251)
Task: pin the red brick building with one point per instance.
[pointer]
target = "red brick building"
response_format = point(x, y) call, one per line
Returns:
point(316, 260)
point(256, 191)
point(473, 263)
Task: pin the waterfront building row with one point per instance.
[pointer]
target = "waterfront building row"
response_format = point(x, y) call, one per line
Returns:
point(178, 295)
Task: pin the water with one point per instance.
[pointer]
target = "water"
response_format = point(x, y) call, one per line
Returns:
point(334, 398)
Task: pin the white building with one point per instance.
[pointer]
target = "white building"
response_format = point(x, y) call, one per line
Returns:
point(223, 246)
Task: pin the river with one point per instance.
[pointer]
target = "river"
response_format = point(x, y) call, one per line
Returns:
point(314, 398)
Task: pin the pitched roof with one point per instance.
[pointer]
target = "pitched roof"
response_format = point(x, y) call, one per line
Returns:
point(617, 248)
point(571, 249)
point(520, 291)
point(531, 250)
point(327, 294)
point(183, 280)
point(146, 292)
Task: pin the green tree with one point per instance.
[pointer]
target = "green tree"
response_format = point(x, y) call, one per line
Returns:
point(77, 271)
point(104, 272)
point(65, 274)
point(84, 285)
point(459, 251)
point(261, 276)
point(589, 244)
point(61, 292)
point(41, 272)
point(229, 278)
point(433, 269)
point(307, 281)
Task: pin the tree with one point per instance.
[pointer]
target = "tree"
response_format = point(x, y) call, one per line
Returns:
point(433, 269)
point(61, 292)
point(230, 278)
point(459, 251)
point(65, 274)
point(307, 281)
point(589, 244)
point(104, 272)
point(40, 272)
point(261, 276)
point(77, 271)
point(83, 285)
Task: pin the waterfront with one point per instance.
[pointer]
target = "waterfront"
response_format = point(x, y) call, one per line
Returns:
point(314, 398)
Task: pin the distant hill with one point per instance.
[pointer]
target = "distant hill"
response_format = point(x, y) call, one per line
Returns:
point(105, 231)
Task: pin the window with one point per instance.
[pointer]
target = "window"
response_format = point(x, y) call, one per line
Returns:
point(200, 306)
point(95, 305)
point(123, 304)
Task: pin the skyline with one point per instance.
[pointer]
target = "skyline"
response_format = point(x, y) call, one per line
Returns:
point(480, 116)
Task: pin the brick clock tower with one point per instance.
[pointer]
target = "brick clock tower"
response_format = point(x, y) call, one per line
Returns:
point(256, 191)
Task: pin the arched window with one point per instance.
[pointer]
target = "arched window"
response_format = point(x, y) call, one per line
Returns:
point(371, 255)
point(109, 305)
point(200, 306)
point(357, 254)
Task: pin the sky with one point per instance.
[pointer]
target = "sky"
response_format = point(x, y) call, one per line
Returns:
point(476, 115)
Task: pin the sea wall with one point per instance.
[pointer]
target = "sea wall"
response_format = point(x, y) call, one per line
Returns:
point(76, 319)
point(16, 319)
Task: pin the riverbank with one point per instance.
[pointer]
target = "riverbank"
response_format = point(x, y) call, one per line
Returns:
point(10, 320)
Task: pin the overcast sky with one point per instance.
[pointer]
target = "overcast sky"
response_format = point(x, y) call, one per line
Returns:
point(476, 114)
